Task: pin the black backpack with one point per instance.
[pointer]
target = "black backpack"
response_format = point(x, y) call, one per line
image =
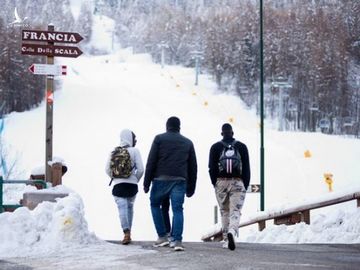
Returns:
point(230, 159)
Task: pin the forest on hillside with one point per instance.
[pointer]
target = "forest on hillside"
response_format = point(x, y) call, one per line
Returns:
point(311, 50)
point(19, 89)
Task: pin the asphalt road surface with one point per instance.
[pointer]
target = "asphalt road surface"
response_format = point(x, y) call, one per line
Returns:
point(252, 256)
point(206, 256)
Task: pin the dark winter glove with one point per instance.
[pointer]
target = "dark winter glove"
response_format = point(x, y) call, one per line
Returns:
point(146, 189)
point(189, 193)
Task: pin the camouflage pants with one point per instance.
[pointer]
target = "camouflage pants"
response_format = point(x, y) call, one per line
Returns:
point(230, 195)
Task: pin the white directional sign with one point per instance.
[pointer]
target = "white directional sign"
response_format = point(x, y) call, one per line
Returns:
point(254, 188)
point(44, 69)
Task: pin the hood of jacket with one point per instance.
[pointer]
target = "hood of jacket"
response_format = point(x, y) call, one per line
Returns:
point(126, 138)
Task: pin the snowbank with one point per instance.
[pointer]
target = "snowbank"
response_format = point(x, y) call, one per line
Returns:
point(50, 227)
point(340, 226)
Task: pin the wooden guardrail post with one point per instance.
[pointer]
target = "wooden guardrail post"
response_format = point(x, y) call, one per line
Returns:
point(218, 237)
point(305, 216)
point(261, 225)
point(358, 202)
point(56, 173)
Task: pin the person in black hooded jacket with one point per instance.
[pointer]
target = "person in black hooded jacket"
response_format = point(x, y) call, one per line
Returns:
point(230, 183)
point(171, 168)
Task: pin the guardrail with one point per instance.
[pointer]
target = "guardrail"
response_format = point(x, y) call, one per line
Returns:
point(4, 207)
point(288, 216)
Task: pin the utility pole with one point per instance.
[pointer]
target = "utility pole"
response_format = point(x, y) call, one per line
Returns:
point(282, 84)
point(197, 56)
point(163, 46)
point(112, 40)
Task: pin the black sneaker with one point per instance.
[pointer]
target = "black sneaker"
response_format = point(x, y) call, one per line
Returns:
point(231, 240)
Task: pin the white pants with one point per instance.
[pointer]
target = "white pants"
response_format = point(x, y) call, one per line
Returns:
point(126, 211)
point(230, 195)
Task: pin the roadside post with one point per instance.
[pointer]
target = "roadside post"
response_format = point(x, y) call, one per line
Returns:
point(50, 50)
point(328, 178)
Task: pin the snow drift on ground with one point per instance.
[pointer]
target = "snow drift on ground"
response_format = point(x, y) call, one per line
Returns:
point(55, 229)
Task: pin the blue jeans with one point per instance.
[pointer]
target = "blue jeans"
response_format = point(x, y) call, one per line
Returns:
point(165, 206)
point(175, 189)
point(126, 211)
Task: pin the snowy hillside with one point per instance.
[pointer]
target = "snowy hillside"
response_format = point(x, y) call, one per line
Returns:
point(102, 95)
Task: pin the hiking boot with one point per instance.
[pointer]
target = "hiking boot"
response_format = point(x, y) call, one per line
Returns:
point(231, 239)
point(161, 242)
point(178, 246)
point(127, 238)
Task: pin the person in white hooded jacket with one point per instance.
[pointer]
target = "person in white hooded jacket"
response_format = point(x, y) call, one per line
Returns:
point(125, 189)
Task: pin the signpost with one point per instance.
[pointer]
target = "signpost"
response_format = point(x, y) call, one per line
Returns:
point(50, 50)
point(44, 69)
point(49, 115)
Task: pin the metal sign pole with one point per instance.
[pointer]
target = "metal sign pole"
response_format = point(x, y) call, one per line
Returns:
point(49, 115)
point(262, 148)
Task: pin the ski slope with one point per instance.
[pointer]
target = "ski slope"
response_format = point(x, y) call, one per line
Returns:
point(103, 94)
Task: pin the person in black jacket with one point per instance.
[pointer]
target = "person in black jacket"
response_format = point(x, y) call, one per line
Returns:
point(172, 170)
point(230, 181)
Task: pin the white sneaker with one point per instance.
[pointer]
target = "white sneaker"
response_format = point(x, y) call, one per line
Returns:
point(231, 239)
point(225, 245)
point(161, 242)
point(178, 246)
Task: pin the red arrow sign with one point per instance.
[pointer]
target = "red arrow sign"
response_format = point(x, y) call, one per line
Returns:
point(32, 68)
point(46, 36)
point(50, 50)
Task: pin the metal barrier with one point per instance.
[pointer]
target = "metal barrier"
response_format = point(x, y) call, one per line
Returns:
point(14, 206)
